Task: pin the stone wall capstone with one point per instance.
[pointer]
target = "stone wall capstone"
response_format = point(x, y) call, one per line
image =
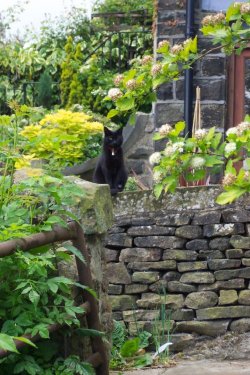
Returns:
point(183, 251)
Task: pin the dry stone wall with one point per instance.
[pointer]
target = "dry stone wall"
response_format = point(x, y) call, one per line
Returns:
point(185, 252)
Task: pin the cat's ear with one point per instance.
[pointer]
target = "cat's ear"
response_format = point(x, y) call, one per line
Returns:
point(107, 131)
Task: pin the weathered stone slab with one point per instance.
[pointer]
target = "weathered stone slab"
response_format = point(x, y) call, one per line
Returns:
point(219, 243)
point(135, 288)
point(182, 341)
point(150, 326)
point(214, 230)
point(149, 300)
point(164, 242)
point(143, 220)
point(240, 325)
point(197, 278)
point(244, 297)
point(232, 274)
point(145, 277)
point(214, 328)
point(122, 302)
point(117, 273)
point(179, 255)
point(218, 264)
point(248, 229)
point(115, 289)
point(247, 254)
point(189, 232)
point(145, 266)
point(151, 230)
point(123, 220)
point(200, 300)
point(234, 253)
point(210, 254)
point(111, 255)
point(116, 229)
point(191, 266)
point(136, 254)
point(174, 219)
point(119, 240)
point(226, 312)
point(197, 244)
point(230, 284)
point(236, 216)
point(159, 286)
point(208, 217)
point(117, 315)
point(171, 276)
point(181, 314)
point(246, 262)
point(228, 297)
point(142, 315)
point(176, 286)
point(240, 242)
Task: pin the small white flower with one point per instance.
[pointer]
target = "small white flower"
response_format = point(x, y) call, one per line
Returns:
point(230, 147)
point(155, 158)
point(232, 131)
point(131, 84)
point(200, 133)
point(156, 68)
point(169, 150)
point(178, 146)
point(176, 49)
point(245, 8)
point(165, 129)
point(163, 43)
point(197, 162)
point(118, 79)
point(228, 179)
point(242, 127)
point(157, 176)
point(114, 93)
point(146, 59)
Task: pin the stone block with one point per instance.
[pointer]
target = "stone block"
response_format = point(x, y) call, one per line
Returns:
point(243, 273)
point(115, 289)
point(174, 219)
point(214, 230)
point(232, 215)
point(168, 113)
point(248, 229)
point(213, 66)
point(247, 254)
point(182, 341)
point(210, 254)
point(164, 242)
point(246, 262)
point(171, 276)
point(212, 114)
point(135, 288)
point(227, 312)
point(200, 300)
point(149, 300)
point(244, 297)
point(179, 255)
point(167, 29)
point(211, 89)
point(140, 315)
point(197, 278)
point(197, 245)
point(191, 266)
point(117, 273)
point(145, 277)
point(189, 231)
point(151, 230)
point(165, 91)
point(117, 315)
point(136, 254)
point(122, 302)
point(116, 229)
point(123, 220)
point(219, 264)
point(230, 284)
point(146, 266)
point(176, 286)
point(240, 242)
point(170, 5)
point(234, 253)
point(182, 314)
point(219, 243)
point(228, 297)
point(240, 325)
point(111, 255)
point(208, 217)
point(119, 240)
point(150, 326)
point(142, 221)
point(213, 329)
point(159, 286)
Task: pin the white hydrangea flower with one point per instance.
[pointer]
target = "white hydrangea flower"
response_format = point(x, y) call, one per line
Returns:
point(147, 59)
point(118, 79)
point(163, 43)
point(156, 68)
point(230, 147)
point(165, 129)
point(228, 179)
point(178, 146)
point(157, 176)
point(176, 49)
point(131, 84)
point(200, 133)
point(232, 131)
point(155, 158)
point(114, 93)
point(168, 150)
point(197, 162)
point(245, 8)
point(242, 127)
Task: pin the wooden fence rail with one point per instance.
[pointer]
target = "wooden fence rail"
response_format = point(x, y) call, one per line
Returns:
point(73, 232)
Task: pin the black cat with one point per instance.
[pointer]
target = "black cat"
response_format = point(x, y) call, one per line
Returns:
point(110, 168)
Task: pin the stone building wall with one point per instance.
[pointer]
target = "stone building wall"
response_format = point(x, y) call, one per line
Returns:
point(209, 73)
point(183, 251)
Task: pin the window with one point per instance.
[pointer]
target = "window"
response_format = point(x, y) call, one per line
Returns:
point(215, 5)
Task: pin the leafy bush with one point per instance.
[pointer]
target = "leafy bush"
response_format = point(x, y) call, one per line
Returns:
point(62, 138)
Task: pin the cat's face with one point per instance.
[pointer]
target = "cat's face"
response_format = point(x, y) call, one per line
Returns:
point(113, 139)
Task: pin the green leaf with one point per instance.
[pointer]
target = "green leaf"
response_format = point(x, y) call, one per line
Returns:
point(130, 347)
point(7, 343)
point(125, 103)
point(158, 190)
point(143, 361)
point(34, 297)
point(112, 113)
point(27, 341)
point(75, 251)
point(230, 195)
point(89, 332)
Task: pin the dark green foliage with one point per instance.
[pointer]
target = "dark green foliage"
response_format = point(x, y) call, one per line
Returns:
point(44, 89)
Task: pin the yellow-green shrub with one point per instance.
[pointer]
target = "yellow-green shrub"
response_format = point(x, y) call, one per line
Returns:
point(63, 138)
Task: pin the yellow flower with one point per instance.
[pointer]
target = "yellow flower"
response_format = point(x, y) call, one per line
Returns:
point(24, 161)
